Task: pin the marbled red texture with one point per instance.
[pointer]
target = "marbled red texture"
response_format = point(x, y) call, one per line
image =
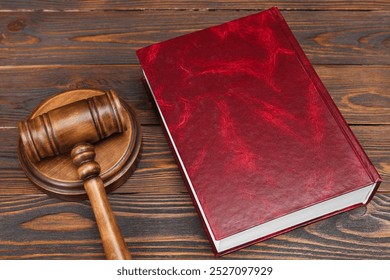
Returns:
point(253, 128)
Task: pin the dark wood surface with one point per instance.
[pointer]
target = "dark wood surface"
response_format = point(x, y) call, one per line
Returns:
point(47, 47)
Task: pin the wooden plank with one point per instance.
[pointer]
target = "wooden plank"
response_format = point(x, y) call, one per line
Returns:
point(96, 5)
point(361, 92)
point(111, 37)
point(32, 85)
point(92, 43)
point(157, 171)
point(166, 226)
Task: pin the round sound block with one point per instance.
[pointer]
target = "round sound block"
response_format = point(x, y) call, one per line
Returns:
point(117, 155)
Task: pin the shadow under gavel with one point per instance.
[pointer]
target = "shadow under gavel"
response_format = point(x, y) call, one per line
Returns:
point(74, 128)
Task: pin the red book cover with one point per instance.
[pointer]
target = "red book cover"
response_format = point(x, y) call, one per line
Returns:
point(261, 145)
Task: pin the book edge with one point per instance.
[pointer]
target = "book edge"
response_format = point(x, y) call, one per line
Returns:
point(365, 194)
point(323, 217)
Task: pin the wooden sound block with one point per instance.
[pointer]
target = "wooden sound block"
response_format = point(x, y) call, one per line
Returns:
point(117, 155)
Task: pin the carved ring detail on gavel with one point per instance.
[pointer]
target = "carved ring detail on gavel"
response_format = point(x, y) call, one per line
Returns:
point(74, 127)
point(57, 131)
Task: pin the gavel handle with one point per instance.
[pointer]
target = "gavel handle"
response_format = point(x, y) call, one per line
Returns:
point(115, 247)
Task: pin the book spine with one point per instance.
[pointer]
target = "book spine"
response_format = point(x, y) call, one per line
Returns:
point(351, 138)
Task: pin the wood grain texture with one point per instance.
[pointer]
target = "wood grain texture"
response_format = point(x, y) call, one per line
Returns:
point(67, 221)
point(96, 5)
point(47, 47)
point(166, 226)
point(360, 92)
point(157, 171)
point(111, 37)
point(37, 83)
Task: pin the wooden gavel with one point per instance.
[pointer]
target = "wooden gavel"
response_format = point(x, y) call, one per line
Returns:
point(74, 127)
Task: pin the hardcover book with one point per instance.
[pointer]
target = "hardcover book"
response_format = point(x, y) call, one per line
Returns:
point(262, 147)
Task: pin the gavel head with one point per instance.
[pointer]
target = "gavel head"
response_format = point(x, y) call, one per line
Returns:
point(59, 130)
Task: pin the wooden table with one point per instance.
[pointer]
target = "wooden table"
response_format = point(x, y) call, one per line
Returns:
point(47, 48)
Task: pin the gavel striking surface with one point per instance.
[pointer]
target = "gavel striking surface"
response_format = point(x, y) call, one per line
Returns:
point(116, 155)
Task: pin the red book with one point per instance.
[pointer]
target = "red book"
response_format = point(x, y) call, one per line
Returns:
point(261, 145)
